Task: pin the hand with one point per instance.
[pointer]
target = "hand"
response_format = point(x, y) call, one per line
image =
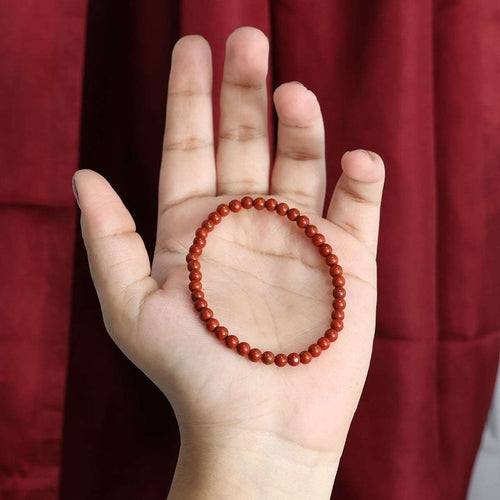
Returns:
point(270, 430)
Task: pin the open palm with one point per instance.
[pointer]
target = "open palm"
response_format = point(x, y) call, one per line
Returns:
point(262, 277)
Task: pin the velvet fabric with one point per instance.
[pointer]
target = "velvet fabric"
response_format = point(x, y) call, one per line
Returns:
point(415, 81)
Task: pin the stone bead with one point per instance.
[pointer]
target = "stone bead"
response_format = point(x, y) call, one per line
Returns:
point(339, 292)
point(208, 225)
point(195, 285)
point(282, 209)
point(324, 343)
point(338, 281)
point(336, 270)
point(206, 314)
point(193, 265)
point(325, 249)
point(201, 232)
point(315, 350)
point(337, 325)
point(212, 324)
point(197, 294)
point(332, 259)
point(221, 332)
point(318, 239)
point(215, 217)
point(339, 304)
point(195, 276)
point(311, 230)
point(280, 360)
point(200, 304)
point(305, 357)
point(195, 250)
point(191, 256)
point(337, 314)
point(271, 204)
point(293, 359)
point(292, 214)
point(331, 335)
point(255, 355)
point(268, 358)
point(223, 209)
point(243, 348)
point(235, 205)
point(302, 221)
point(232, 341)
point(247, 202)
point(259, 203)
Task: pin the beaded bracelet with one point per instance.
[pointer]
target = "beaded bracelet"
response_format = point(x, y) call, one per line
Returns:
point(221, 332)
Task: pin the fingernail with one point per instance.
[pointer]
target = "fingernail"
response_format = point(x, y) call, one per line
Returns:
point(367, 153)
point(75, 191)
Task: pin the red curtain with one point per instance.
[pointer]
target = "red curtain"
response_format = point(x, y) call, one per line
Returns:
point(415, 81)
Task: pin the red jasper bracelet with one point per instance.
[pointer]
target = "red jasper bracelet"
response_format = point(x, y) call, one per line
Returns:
point(221, 332)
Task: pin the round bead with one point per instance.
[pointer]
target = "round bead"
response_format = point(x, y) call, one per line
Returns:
point(201, 232)
point(235, 205)
point(195, 285)
point(305, 357)
point(212, 324)
point(339, 292)
point(293, 359)
point(208, 225)
point(221, 332)
point(215, 217)
point(200, 304)
point(223, 209)
point(243, 348)
point(338, 281)
point(331, 335)
point(247, 202)
point(311, 230)
point(318, 239)
point(271, 204)
point(259, 203)
point(336, 270)
point(337, 314)
point(191, 256)
point(314, 350)
point(195, 250)
point(332, 259)
point(268, 358)
point(302, 221)
point(339, 304)
point(193, 265)
point(282, 209)
point(195, 276)
point(337, 325)
point(324, 343)
point(197, 294)
point(206, 314)
point(325, 249)
point(280, 360)
point(292, 214)
point(255, 355)
point(232, 341)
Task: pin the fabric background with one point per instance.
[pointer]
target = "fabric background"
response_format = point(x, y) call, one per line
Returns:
point(83, 84)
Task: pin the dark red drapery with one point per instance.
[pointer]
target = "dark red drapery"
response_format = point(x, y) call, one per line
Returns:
point(415, 81)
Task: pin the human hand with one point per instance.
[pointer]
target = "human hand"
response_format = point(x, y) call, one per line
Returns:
point(243, 425)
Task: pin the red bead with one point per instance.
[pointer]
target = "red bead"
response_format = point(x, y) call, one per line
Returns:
point(311, 230)
point(215, 217)
point(280, 360)
point(197, 294)
point(332, 259)
point(305, 357)
point(243, 348)
point(199, 241)
point(293, 359)
point(324, 343)
point(208, 225)
point(232, 341)
point(255, 355)
point(195, 250)
point(212, 324)
point(268, 358)
point(191, 256)
point(292, 214)
point(318, 239)
point(235, 205)
point(337, 325)
point(336, 270)
point(339, 304)
point(201, 232)
point(193, 265)
point(325, 249)
point(195, 276)
point(259, 203)
point(247, 202)
point(302, 221)
point(221, 332)
point(195, 285)
point(200, 304)
point(337, 314)
point(339, 292)
point(282, 209)
point(206, 314)
point(331, 335)
point(271, 204)
point(315, 350)
point(223, 209)
point(338, 281)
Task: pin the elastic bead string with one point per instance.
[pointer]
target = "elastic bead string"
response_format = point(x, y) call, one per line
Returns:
point(221, 332)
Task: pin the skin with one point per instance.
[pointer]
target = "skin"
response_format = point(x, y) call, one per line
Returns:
point(247, 430)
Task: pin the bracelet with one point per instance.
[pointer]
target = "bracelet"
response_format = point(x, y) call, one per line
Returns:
point(221, 332)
